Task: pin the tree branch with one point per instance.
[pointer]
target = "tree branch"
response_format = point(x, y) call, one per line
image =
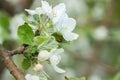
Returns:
point(19, 50)
point(10, 64)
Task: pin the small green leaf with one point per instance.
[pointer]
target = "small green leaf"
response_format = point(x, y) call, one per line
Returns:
point(25, 34)
point(40, 39)
point(71, 78)
point(36, 17)
point(26, 64)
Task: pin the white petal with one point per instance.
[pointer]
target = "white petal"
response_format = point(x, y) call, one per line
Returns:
point(39, 11)
point(69, 24)
point(46, 7)
point(59, 11)
point(58, 26)
point(43, 55)
point(31, 12)
point(60, 8)
point(55, 59)
point(59, 70)
point(69, 36)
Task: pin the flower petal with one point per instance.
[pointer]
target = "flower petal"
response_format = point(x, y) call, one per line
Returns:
point(55, 59)
point(69, 24)
point(38, 11)
point(59, 11)
point(69, 36)
point(31, 12)
point(46, 7)
point(59, 70)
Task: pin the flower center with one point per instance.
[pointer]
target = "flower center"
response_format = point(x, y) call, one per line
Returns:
point(54, 13)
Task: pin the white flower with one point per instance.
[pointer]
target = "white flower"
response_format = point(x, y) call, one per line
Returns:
point(54, 13)
point(31, 77)
point(66, 25)
point(38, 67)
point(54, 57)
point(38, 11)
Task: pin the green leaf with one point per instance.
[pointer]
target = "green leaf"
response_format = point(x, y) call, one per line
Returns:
point(25, 34)
point(40, 39)
point(26, 64)
point(36, 17)
point(71, 78)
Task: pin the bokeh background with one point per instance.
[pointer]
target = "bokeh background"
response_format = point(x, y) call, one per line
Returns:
point(95, 54)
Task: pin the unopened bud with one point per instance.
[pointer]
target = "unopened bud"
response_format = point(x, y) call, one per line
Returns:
point(43, 55)
point(38, 67)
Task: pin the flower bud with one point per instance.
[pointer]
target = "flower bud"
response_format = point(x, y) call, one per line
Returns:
point(38, 67)
point(43, 55)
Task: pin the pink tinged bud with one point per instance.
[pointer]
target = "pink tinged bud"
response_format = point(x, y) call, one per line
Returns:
point(38, 67)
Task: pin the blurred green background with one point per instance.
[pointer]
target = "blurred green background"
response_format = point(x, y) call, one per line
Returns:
point(95, 54)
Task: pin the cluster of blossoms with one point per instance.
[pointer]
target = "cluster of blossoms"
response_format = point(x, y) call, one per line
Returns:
point(54, 27)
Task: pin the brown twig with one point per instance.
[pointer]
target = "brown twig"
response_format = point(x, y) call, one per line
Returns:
point(10, 64)
point(19, 50)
